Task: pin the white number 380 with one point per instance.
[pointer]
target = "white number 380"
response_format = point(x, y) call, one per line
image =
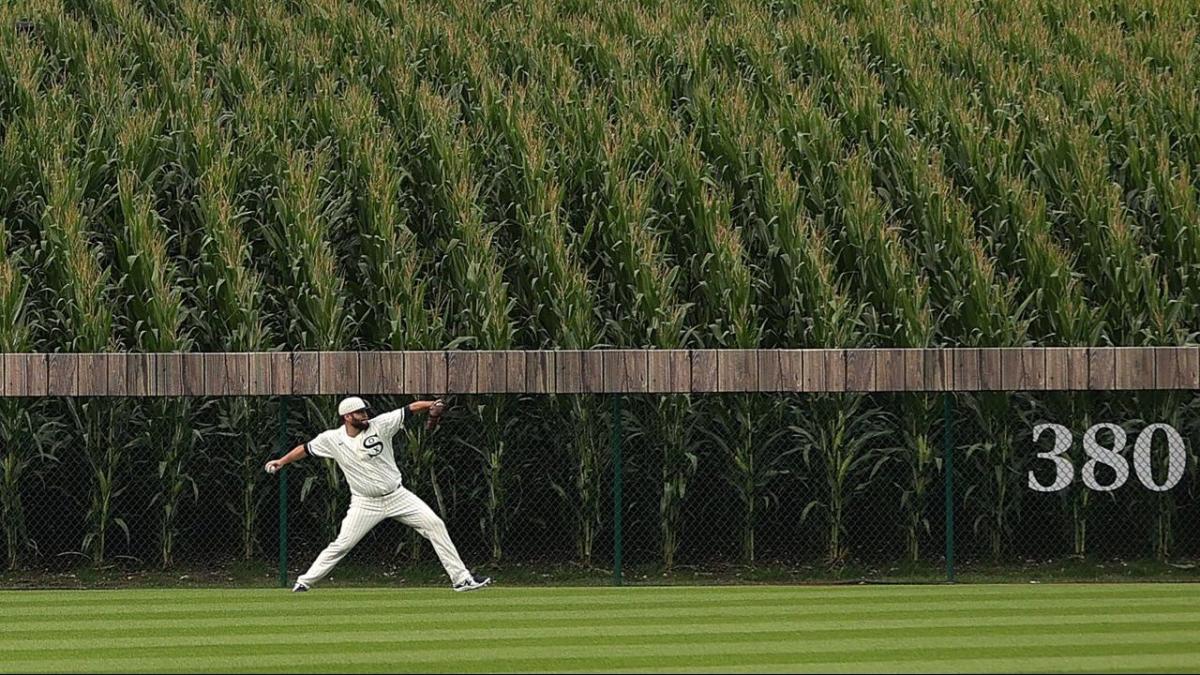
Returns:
point(1110, 457)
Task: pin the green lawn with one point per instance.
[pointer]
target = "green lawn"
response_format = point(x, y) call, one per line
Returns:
point(975, 628)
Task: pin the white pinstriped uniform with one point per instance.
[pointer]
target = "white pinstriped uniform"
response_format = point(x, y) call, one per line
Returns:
point(376, 493)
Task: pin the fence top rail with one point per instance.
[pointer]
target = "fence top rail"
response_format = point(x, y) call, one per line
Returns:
point(600, 371)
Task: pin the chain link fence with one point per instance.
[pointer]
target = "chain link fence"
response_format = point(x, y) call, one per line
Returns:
point(561, 487)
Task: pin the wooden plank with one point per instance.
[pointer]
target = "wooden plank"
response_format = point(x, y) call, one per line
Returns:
point(835, 369)
point(791, 370)
point(813, 365)
point(92, 375)
point(117, 379)
point(37, 374)
point(1058, 368)
point(237, 373)
point(539, 372)
point(515, 362)
point(168, 374)
point(1066, 368)
point(568, 376)
point(1077, 368)
point(1135, 367)
point(416, 382)
point(435, 372)
point(139, 375)
point(258, 373)
point(15, 381)
point(193, 374)
point(669, 371)
point(889, 369)
point(1033, 368)
point(282, 374)
point(737, 370)
point(967, 375)
point(370, 373)
point(613, 371)
point(939, 370)
point(770, 378)
point(704, 365)
point(990, 371)
point(492, 377)
point(216, 380)
point(1177, 367)
point(338, 373)
point(914, 370)
point(1102, 368)
point(593, 371)
point(681, 370)
point(626, 371)
point(860, 370)
point(1023, 368)
point(306, 373)
point(118, 373)
point(658, 371)
point(425, 372)
point(62, 374)
point(391, 367)
point(461, 369)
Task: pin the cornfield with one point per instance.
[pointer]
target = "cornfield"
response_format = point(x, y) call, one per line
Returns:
point(248, 175)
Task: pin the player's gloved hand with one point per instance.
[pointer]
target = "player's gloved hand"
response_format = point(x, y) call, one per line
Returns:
point(435, 413)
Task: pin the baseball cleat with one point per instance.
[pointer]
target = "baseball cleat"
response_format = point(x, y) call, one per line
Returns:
point(299, 588)
point(471, 583)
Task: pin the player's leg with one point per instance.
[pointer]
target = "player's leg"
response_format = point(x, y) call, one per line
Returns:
point(359, 520)
point(411, 510)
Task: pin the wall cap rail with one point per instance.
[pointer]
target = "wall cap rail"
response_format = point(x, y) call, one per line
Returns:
point(600, 371)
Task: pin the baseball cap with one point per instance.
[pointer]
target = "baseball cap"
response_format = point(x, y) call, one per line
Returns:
point(349, 405)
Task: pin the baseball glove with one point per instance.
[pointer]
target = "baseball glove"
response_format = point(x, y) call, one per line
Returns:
point(435, 414)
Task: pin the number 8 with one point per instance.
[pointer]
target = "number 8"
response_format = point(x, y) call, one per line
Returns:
point(1106, 456)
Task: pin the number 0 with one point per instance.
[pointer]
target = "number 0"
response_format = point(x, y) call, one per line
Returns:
point(1176, 457)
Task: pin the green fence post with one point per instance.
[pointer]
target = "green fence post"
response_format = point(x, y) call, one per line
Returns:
point(948, 467)
point(283, 494)
point(617, 487)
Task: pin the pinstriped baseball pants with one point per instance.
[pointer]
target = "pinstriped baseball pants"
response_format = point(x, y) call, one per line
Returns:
point(367, 512)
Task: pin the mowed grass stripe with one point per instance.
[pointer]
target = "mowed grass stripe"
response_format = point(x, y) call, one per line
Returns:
point(606, 594)
point(555, 642)
point(387, 598)
point(604, 657)
point(649, 632)
point(325, 631)
point(488, 605)
point(1125, 663)
point(302, 618)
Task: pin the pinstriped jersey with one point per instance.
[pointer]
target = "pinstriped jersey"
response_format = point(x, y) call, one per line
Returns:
point(367, 460)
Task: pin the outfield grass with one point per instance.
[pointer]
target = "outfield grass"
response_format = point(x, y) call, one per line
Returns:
point(976, 628)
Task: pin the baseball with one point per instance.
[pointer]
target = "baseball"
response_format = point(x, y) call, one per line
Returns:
point(271, 468)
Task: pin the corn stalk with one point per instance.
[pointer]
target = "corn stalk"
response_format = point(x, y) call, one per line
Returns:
point(645, 281)
point(25, 444)
point(481, 300)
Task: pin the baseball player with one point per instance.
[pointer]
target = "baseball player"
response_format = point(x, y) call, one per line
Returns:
point(362, 448)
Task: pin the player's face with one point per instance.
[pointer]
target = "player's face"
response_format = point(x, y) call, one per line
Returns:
point(359, 419)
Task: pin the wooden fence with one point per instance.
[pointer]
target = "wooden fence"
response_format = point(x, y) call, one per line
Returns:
point(600, 371)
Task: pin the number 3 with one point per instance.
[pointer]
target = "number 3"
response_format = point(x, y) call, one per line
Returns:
point(1064, 470)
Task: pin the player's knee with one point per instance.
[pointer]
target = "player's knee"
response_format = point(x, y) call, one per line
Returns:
point(434, 525)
